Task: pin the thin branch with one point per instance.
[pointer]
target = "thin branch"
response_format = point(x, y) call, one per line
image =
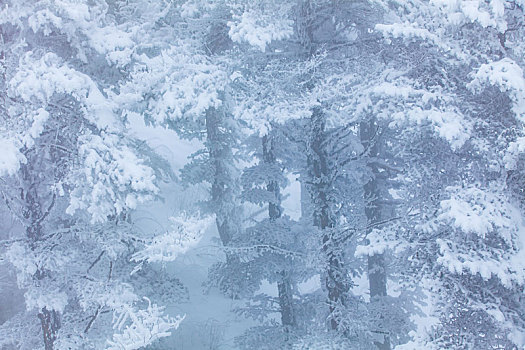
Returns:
point(62, 148)
point(351, 159)
point(8, 202)
point(256, 213)
point(264, 247)
point(96, 261)
point(11, 241)
point(370, 226)
point(110, 270)
point(93, 318)
point(89, 278)
point(338, 134)
point(51, 205)
point(385, 166)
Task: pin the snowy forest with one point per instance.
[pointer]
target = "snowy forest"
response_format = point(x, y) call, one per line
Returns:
point(262, 174)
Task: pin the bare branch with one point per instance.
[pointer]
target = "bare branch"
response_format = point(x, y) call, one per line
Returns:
point(96, 261)
point(93, 318)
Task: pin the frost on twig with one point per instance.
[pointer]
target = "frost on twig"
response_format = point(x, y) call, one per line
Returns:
point(135, 329)
point(185, 233)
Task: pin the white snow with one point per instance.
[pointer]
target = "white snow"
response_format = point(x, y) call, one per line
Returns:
point(37, 299)
point(40, 78)
point(259, 29)
point(138, 328)
point(185, 234)
point(481, 211)
point(114, 178)
point(10, 157)
point(507, 75)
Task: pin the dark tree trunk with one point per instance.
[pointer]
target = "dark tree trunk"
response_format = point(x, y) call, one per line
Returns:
point(303, 24)
point(50, 321)
point(34, 214)
point(223, 191)
point(221, 187)
point(284, 287)
point(320, 189)
point(376, 263)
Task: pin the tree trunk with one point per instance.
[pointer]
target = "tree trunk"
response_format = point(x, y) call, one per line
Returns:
point(284, 287)
point(376, 263)
point(34, 214)
point(303, 26)
point(320, 188)
point(50, 321)
point(222, 193)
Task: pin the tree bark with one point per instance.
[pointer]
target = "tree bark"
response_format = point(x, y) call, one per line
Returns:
point(303, 26)
point(320, 188)
point(223, 192)
point(284, 287)
point(376, 263)
point(222, 195)
point(50, 322)
point(34, 214)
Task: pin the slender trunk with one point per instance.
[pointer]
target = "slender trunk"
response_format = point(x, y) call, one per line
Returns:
point(320, 188)
point(50, 321)
point(223, 192)
point(284, 287)
point(221, 187)
point(34, 214)
point(304, 26)
point(306, 205)
point(376, 263)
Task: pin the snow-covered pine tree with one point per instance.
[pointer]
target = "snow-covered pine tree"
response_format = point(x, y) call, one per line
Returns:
point(315, 81)
point(271, 248)
point(454, 146)
point(180, 80)
point(70, 175)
